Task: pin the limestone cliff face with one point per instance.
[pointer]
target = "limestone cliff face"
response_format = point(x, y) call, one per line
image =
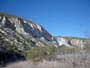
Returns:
point(72, 41)
point(25, 27)
point(22, 34)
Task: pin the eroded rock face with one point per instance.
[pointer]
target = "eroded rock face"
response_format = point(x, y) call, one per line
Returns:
point(18, 26)
point(21, 32)
point(24, 27)
point(62, 41)
point(77, 42)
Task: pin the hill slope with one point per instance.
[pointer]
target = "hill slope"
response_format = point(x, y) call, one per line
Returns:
point(18, 35)
point(22, 32)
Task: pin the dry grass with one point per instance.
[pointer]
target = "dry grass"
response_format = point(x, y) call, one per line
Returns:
point(79, 60)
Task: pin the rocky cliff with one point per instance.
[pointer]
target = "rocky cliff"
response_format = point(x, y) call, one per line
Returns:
point(72, 41)
point(16, 32)
point(23, 34)
point(23, 26)
point(18, 35)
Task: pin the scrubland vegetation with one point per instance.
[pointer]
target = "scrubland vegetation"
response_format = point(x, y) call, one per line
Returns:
point(52, 57)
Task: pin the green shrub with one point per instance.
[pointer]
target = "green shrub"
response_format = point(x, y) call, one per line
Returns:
point(39, 53)
point(52, 50)
point(36, 53)
point(67, 50)
point(87, 48)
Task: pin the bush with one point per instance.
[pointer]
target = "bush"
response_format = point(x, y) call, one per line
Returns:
point(87, 48)
point(37, 53)
point(67, 50)
point(52, 50)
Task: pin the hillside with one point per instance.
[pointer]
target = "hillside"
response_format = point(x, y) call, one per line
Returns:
point(18, 35)
point(21, 38)
point(21, 31)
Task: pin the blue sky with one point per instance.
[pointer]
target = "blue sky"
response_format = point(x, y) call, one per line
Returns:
point(59, 17)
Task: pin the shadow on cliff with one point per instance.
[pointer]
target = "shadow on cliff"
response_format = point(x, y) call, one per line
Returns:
point(7, 57)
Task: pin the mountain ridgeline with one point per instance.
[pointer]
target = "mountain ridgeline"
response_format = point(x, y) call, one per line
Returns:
point(23, 26)
point(23, 34)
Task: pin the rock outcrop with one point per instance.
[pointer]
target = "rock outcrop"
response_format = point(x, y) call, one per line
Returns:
point(25, 34)
point(72, 41)
point(22, 34)
point(23, 26)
